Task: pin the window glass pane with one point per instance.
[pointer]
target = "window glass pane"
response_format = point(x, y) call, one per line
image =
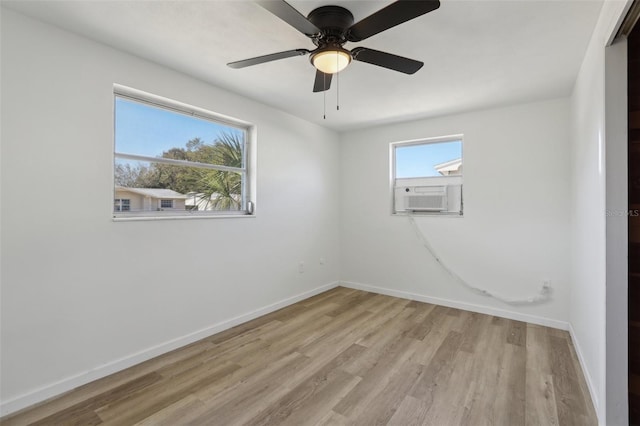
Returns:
point(430, 159)
point(150, 186)
point(145, 130)
point(169, 161)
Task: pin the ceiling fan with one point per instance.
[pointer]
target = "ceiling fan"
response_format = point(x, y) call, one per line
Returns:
point(330, 27)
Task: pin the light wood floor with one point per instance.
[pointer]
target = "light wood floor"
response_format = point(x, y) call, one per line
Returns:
point(345, 357)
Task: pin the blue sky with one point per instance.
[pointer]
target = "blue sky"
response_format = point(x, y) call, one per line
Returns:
point(144, 130)
point(418, 160)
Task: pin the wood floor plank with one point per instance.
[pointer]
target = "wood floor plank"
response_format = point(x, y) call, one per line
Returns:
point(337, 331)
point(253, 371)
point(248, 326)
point(382, 345)
point(438, 369)
point(449, 391)
point(93, 389)
point(451, 399)
point(254, 376)
point(376, 379)
point(487, 368)
point(331, 418)
point(71, 418)
point(569, 401)
point(381, 408)
point(84, 412)
point(284, 342)
point(379, 303)
point(176, 413)
point(422, 310)
point(335, 295)
point(540, 398)
point(240, 403)
point(462, 321)
point(351, 302)
point(472, 331)
point(432, 341)
point(510, 404)
point(517, 334)
point(410, 412)
point(221, 356)
point(140, 406)
point(422, 327)
point(454, 312)
point(345, 357)
point(395, 316)
point(317, 394)
point(435, 318)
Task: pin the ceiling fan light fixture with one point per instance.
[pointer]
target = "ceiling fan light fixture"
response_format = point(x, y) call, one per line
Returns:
point(331, 60)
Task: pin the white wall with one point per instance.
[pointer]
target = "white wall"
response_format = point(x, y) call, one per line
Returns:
point(80, 291)
point(588, 308)
point(514, 233)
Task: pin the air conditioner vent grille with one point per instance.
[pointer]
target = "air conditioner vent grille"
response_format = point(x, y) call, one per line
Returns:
point(429, 202)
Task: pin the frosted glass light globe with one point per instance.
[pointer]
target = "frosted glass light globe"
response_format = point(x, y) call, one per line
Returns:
point(331, 61)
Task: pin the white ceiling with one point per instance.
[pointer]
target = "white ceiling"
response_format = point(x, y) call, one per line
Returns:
point(477, 53)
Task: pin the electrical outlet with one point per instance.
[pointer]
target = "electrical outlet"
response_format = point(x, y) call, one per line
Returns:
point(546, 284)
point(301, 267)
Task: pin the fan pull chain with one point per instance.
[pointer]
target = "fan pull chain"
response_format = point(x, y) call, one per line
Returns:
point(337, 86)
point(338, 93)
point(324, 96)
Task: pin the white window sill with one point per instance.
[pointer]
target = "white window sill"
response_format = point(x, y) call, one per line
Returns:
point(427, 214)
point(181, 217)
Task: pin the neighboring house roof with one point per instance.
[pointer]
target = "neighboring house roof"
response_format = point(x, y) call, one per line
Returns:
point(154, 192)
point(448, 166)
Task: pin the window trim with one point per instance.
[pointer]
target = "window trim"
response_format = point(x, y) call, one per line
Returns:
point(248, 171)
point(392, 172)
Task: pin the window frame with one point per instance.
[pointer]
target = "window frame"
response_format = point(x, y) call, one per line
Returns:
point(425, 141)
point(166, 201)
point(247, 172)
point(119, 204)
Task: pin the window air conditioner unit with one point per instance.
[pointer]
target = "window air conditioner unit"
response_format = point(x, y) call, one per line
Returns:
point(427, 199)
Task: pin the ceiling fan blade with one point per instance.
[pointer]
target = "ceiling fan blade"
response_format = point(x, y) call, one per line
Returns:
point(267, 58)
point(394, 14)
point(290, 15)
point(323, 82)
point(386, 60)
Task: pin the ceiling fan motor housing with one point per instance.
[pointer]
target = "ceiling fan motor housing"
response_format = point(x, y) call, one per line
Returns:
point(334, 21)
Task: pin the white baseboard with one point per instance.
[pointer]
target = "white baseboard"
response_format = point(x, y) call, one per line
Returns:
point(54, 389)
point(587, 376)
point(547, 322)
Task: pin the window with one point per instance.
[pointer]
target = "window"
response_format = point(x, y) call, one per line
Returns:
point(172, 156)
point(121, 205)
point(426, 176)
